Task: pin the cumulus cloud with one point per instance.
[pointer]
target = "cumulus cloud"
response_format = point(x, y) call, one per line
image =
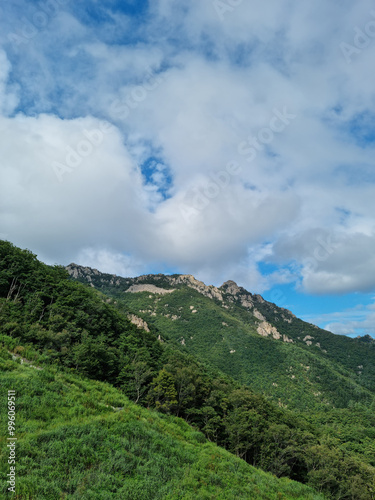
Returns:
point(342, 268)
point(108, 261)
point(65, 185)
point(238, 138)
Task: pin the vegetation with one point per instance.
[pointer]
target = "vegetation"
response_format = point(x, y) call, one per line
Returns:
point(75, 331)
point(82, 439)
point(296, 375)
point(355, 357)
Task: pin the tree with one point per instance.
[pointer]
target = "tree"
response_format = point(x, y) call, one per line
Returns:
point(163, 393)
point(135, 378)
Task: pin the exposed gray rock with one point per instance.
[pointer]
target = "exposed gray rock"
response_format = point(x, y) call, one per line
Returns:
point(139, 322)
point(265, 330)
point(259, 315)
point(208, 291)
point(148, 288)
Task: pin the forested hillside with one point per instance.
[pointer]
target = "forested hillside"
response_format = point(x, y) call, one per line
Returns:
point(257, 343)
point(73, 330)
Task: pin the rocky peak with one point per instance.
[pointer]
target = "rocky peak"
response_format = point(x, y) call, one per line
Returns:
point(231, 287)
point(88, 274)
point(148, 277)
point(366, 338)
point(77, 271)
point(209, 291)
point(259, 298)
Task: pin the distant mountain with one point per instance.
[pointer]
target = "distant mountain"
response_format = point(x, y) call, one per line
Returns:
point(259, 344)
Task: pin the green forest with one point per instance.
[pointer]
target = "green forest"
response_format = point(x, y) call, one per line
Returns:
point(108, 410)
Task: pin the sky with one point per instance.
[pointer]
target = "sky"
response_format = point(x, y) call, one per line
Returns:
point(228, 139)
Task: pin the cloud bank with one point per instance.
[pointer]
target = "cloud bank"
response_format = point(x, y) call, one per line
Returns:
point(199, 137)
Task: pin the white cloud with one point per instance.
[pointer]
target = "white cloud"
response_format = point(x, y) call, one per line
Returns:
point(220, 84)
point(359, 320)
point(99, 199)
point(110, 262)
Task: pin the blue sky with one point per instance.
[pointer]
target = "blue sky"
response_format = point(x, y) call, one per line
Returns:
point(227, 142)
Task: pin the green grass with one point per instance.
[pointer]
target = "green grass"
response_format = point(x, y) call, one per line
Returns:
point(74, 442)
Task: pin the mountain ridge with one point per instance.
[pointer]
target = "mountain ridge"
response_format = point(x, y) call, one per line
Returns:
point(259, 344)
point(229, 289)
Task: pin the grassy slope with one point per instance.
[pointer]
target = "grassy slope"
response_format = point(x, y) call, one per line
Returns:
point(290, 374)
point(74, 442)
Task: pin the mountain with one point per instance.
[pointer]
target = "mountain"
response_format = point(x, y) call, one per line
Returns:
point(291, 362)
point(72, 337)
point(78, 438)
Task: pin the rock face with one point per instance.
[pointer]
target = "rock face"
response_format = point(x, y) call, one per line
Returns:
point(88, 273)
point(308, 339)
point(77, 271)
point(208, 291)
point(236, 292)
point(139, 322)
point(231, 287)
point(259, 315)
point(265, 330)
point(287, 339)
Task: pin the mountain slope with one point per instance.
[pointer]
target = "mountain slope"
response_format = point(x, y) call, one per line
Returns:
point(255, 342)
point(83, 439)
